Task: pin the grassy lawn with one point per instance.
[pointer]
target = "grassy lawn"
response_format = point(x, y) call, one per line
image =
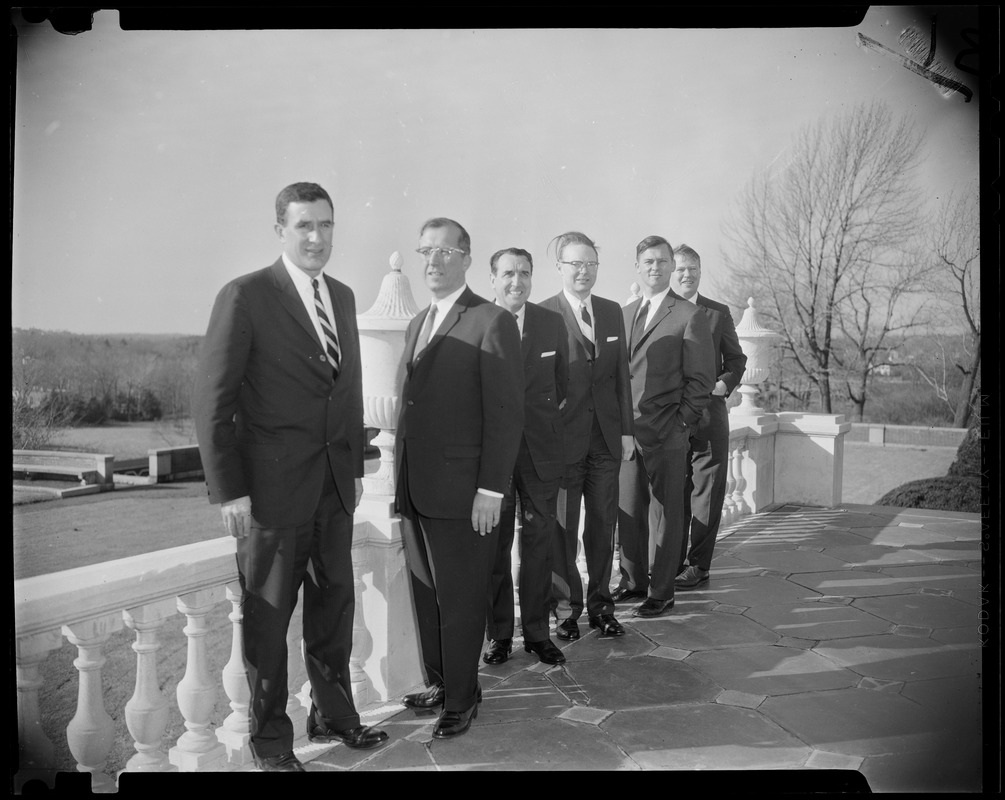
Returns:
point(125, 440)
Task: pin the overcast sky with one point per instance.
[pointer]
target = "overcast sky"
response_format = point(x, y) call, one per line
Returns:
point(146, 163)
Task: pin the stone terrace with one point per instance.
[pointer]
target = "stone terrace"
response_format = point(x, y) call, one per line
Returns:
point(839, 639)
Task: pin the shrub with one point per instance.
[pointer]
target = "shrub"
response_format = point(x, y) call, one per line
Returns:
point(968, 455)
point(947, 493)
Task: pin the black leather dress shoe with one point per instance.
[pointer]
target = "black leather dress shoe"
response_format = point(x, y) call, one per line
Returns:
point(431, 698)
point(621, 594)
point(546, 651)
point(454, 723)
point(691, 578)
point(567, 629)
point(653, 608)
point(498, 652)
point(607, 625)
point(360, 737)
point(284, 762)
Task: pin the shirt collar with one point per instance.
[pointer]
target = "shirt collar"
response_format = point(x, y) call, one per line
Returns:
point(575, 302)
point(447, 302)
point(300, 278)
point(657, 299)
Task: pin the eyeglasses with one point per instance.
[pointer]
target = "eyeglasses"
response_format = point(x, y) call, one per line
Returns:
point(446, 252)
point(578, 265)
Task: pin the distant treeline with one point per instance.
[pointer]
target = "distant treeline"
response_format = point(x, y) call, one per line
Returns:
point(74, 378)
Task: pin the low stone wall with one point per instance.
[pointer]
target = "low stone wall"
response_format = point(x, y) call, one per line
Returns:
point(905, 435)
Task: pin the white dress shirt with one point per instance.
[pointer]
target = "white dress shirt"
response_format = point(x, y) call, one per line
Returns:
point(654, 303)
point(302, 282)
point(577, 304)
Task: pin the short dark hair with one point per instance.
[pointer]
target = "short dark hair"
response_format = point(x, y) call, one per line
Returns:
point(687, 253)
point(442, 222)
point(510, 251)
point(652, 241)
point(563, 240)
point(299, 193)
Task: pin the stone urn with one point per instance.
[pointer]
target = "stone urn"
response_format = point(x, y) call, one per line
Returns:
point(382, 343)
point(759, 345)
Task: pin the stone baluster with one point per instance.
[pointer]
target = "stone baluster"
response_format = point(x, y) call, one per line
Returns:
point(197, 749)
point(235, 732)
point(514, 562)
point(147, 710)
point(91, 733)
point(362, 642)
point(729, 514)
point(740, 483)
point(35, 749)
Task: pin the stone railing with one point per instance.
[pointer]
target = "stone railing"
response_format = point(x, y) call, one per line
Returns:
point(88, 604)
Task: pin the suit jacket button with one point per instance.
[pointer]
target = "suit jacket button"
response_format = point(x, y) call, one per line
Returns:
point(323, 359)
point(411, 402)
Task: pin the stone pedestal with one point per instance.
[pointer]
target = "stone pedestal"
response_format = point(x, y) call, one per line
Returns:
point(385, 634)
point(758, 433)
point(809, 457)
point(390, 654)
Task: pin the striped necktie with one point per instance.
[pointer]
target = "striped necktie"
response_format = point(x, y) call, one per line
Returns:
point(331, 340)
point(584, 314)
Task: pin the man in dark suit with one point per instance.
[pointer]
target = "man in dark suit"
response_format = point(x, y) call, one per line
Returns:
point(709, 453)
point(278, 409)
point(457, 440)
point(671, 357)
point(538, 470)
point(598, 435)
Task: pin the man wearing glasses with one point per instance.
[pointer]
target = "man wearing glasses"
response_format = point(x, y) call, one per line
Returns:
point(457, 439)
point(598, 435)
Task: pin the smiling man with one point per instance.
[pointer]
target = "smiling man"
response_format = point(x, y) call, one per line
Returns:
point(538, 471)
point(457, 440)
point(709, 447)
point(670, 361)
point(598, 435)
point(279, 418)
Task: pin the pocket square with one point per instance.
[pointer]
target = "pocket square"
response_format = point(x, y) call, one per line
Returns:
point(612, 338)
point(549, 353)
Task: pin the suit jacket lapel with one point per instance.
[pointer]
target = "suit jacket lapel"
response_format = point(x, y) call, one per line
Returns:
point(665, 308)
point(452, 317)
point(572, 321)
point(527, 336)
point(291, 301)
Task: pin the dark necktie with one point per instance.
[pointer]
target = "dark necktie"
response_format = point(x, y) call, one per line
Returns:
point(584, 314)
point(640, 325)
point(331, 341)
point(427, 327)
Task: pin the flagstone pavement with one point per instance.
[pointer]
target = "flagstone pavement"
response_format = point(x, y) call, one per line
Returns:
point(833, 648)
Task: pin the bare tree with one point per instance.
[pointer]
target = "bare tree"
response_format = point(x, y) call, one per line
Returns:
point(825, 239)
point(954, 238)
point(875, 321)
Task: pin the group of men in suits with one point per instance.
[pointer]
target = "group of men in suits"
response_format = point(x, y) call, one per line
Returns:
point(504, 403)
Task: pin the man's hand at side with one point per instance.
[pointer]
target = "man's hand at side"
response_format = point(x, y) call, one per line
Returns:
point(237, 517)
point(485, 513)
